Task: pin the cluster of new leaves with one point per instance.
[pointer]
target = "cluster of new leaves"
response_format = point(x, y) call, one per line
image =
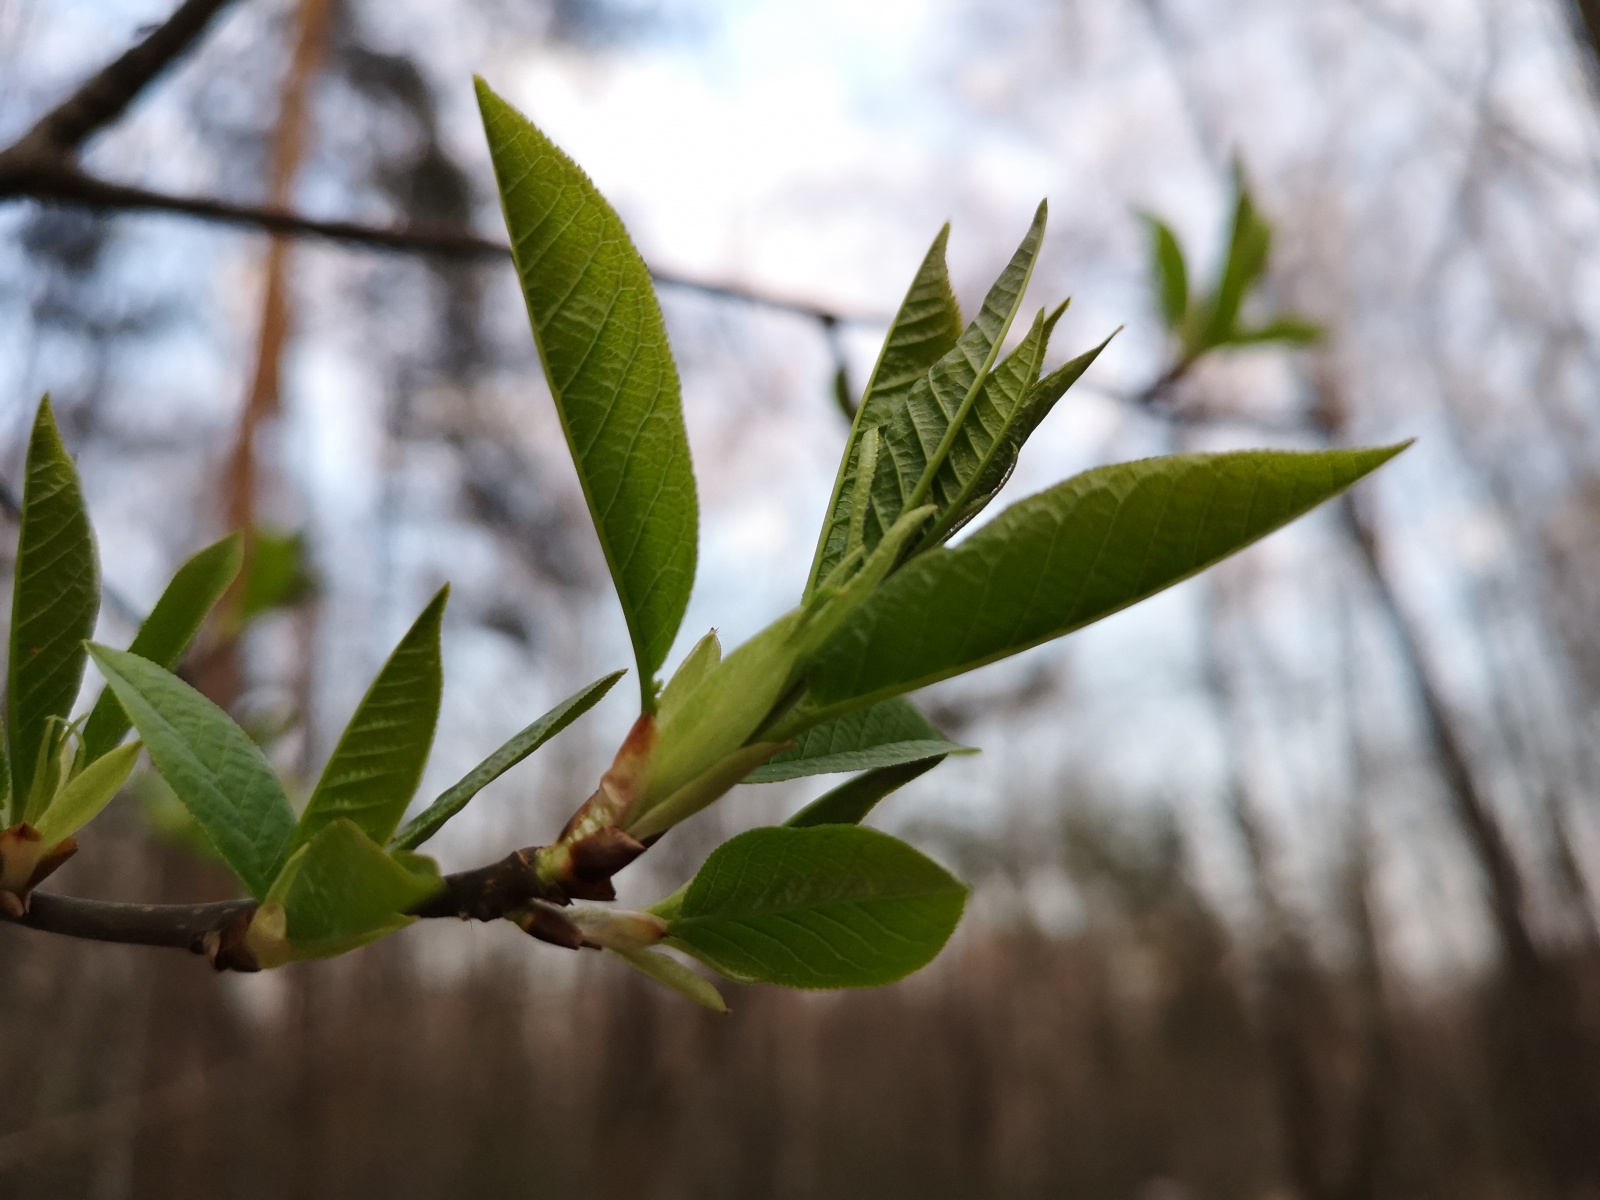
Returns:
point(1213, 321)
point(888, 607)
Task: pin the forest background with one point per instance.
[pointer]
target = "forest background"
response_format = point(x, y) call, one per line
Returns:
point(1285, 881)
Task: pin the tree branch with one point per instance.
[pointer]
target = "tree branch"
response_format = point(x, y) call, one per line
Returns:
point(508, 888)
point(55, 182)
point(105, 96)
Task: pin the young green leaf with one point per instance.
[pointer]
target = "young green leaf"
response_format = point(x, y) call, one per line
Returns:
point(691, 673)
point(1061, 559)
point(1249, 244)
point(346, 891)
point(87, 793)
point(833, 906)
point(851, 801)
point(166, 633)
point(918, 437)
point(665, 969)
point(924, 330)
point(1290, 330)
point(54, 601)
point(604, 348)
point(999, 442)
point(379, 760)
point(1168, 272)
point(428, 822)
point(220, 775)
point(885, 734)
point(280, 574)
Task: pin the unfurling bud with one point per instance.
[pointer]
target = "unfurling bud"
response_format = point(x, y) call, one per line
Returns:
point(623, 930)
point(26, 862)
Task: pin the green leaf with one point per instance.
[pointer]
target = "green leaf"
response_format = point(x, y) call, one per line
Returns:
point(885, 734)
point(380, 757)
point(604, 349)
point(1008, 432)
point(663, 968)
point(346, 891)
point(700, 734)
point(691, 673)
point(924, 331)
point(280, 574)
point(166, 633)
point(919, 436)
point(220, 775)
point(428, 822)
point(54, 602)
point(1061, 559)
point(1291, 330)
point(1168, 272)
point(828, 907)
point(851, 801)
point(88, 792)
point(1249, 244)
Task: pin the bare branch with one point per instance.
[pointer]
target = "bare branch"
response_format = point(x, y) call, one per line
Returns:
point(501, 889)
point(54, 183)
point(105, 96)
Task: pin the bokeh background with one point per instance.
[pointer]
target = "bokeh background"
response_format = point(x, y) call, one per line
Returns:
point(1284, 881)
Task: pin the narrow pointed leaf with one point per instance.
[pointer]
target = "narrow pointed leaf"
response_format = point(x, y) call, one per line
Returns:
point(604, 348)
point(919, 436)
point(851, 801)
point(379, 761)
point(1063, 558)
point(1290, 330)
point(834, 906)
point(1249, 244)
point(1000, 457)
point(88, 792)
point(885, 734)
point(1168, 272)
point(211, 764)
point(166, 633)
point(691, 673)
point(428, 822)
point(665, 969)
point(54, 601)
point(924, 330)
point(347, 891)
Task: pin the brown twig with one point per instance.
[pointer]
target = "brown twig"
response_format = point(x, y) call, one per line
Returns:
point(486, 893)
point(104, 96)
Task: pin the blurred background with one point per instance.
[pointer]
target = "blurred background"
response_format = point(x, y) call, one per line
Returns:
point(1284, 882)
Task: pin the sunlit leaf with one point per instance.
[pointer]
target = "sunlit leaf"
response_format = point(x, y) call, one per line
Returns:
point(211, 764)
point(380, 757)
point(54, 601)
point(166, 633)
point(883, 735)
point(428, 822)
point(924, 330)
point(604, 349)
point(918, 436)
point(1063, 558)
point(833, 906)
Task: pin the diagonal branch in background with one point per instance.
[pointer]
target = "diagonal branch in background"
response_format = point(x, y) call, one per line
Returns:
point(57, 183)
point(102, 99)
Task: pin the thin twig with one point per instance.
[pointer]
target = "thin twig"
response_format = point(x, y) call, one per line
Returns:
point(104, 96)
point(66, 184)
